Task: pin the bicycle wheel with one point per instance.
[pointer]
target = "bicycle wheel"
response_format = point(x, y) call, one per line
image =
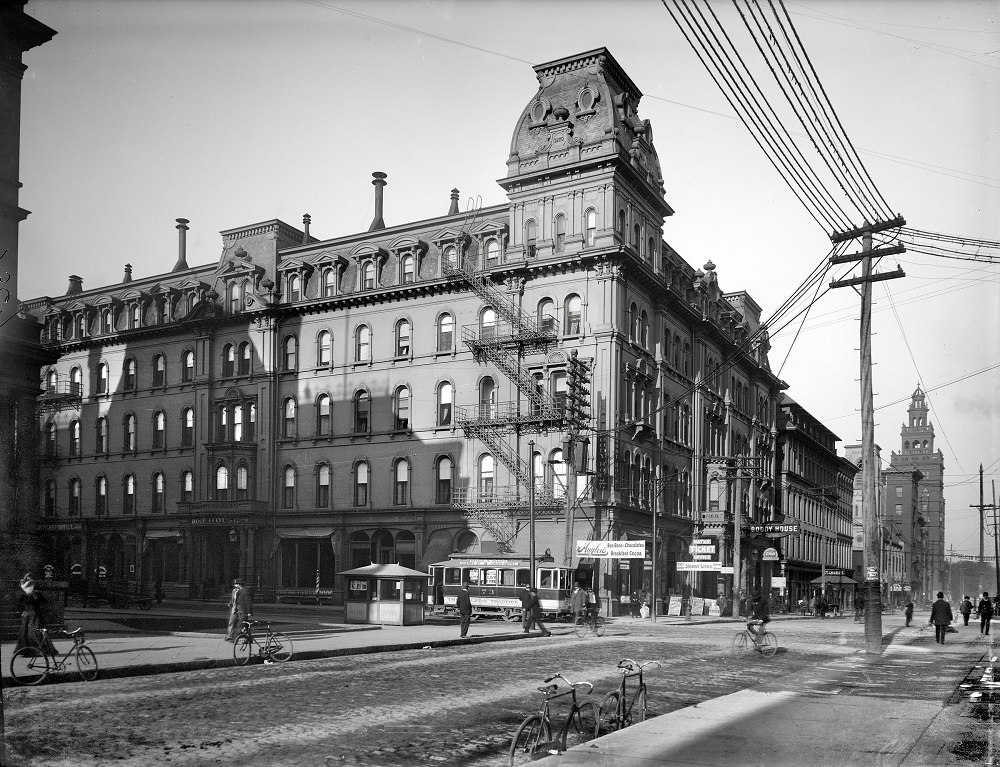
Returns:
point(278, 647)
point(599, 626)
point(638, 711)
point(584, 724)
point(533, 732)
point(768, 645)
point(740, 643)
point(86, 663)
point(29, 665)
point(608, 719)
point(242, 649)
point(581, 627)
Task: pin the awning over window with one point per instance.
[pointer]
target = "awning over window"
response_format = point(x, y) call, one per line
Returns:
point(154, 534)
point(306, 532)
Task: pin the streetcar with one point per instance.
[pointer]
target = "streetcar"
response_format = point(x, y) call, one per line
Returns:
point(496, 584)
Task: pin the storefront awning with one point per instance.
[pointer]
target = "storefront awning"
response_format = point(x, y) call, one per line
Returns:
point(306, 532)
point(154, 534)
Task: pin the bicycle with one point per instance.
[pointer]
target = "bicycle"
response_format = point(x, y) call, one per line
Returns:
point(533, 737)
point(589, 622)
point(276, 646)
point(765, 642)
point(32, 664)
point(616, 711)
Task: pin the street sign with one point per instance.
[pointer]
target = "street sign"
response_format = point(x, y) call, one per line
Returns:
point(702, 549)
point(689, 566)
point(871, 573)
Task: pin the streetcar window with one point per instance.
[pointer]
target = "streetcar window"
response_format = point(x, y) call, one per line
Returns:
point(545, 581)
point(452, 576)
point(523, 579)
point(472, 575)
point(490, 577)
point(506, 577)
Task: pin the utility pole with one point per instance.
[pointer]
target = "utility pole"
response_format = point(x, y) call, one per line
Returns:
point(575, 448)
point(873, 596)
point(531, 512)
point(982, 526)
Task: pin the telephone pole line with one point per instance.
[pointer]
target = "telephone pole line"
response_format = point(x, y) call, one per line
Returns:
point(873, 595)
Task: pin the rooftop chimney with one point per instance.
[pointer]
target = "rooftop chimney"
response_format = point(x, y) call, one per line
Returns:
point(306, 220)
point(128, 273)
point(75, 285)
point(378, 181)
point(453, 210)
point(182, 227)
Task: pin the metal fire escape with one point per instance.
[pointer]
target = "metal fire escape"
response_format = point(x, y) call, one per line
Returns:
point(505, 343)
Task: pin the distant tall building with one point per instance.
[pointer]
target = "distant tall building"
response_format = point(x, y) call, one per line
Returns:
point(300, 406)
point(918, 454)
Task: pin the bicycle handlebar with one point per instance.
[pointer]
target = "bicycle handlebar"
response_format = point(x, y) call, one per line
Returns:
point(625, 665)
point(574, 685)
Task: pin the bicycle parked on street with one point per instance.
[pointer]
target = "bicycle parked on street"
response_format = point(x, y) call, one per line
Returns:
point(533, 738)
point(32, 664)
point(589, 622)
point(763, 642)
point(617, 710)
point(272, 646)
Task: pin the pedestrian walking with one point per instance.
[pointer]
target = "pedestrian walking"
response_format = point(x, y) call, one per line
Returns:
point(985, 613)
point(941, 617)
point(464, 604)
point(240, 609)
point(966, 609)
point(535, 611)
point(577, 601)
point(859, 609)
point(908, 612)
point(526, 621)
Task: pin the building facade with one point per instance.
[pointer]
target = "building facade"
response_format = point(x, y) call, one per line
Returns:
point(305, 405)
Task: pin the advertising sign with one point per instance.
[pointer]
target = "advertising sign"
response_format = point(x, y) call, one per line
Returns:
point(688, 566)
point(611, 549)
point(674, 608)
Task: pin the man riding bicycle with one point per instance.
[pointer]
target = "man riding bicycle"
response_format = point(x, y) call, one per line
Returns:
point(760, 614)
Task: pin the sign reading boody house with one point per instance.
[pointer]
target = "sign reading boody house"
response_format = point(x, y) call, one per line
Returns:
point(611, 549)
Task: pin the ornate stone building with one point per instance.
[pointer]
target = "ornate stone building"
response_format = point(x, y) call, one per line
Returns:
point(304, 405)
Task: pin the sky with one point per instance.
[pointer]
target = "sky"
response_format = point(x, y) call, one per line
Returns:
point(228, 113)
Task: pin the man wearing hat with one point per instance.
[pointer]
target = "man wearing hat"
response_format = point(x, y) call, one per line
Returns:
point(32, 605)
point(239, 609)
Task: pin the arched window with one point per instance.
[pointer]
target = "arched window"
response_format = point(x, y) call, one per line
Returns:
point(157, 497)
point(450, 257)
point(530, 236)
point(76, 382)
point(136, 316)
point(128, 496)
point(128, 382)
point(228, 360)
point(402, 408)
point(651, 250)
point(323, 415)
point(288, 349)
point(288, 488)
point(288, 429)
point(444, 397)
point(187, 487)
point(677, 352)
point(106, 324)
point(130, 441)
point(159, 429)
point(633, 322)
point(361, 412)
point(591, 227)
point(538, 472)
point(368, 276)
point(687, 359)
point(559, 389)
point(74, 438)
point(51, 382)
point(324, 348)
point(294, 288)
point(74, 497)
point(323, 486)
point(574, 312)
point(488, 324)
point(560, 233)
point(547, 315)
point(187, 372)
point(643, 330)
point(187, 427)
point(486, 478)
point(487, 398)
point(492, 252)
point(407, 272)
point(362, 344)
point(621, 224)
point(222, 484)
point(242, 482)
point(558, 464)
point(329, 282)
point(361, 484)
point(244, 359)
point(443, 480)
point(102, 378)
point(235, 297)
point(50, 498)
point(236, 412)
point(403, 338)
point(401, 482)
point(445, 332)
point(102, 435)
point(101, 504)
point(159, 370)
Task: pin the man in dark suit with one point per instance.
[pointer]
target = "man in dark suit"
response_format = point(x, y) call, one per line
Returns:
point(940, 616)
point(464, 604)
point(535, 611)
point(985, 613)
point(239, 609)
point(525, 609)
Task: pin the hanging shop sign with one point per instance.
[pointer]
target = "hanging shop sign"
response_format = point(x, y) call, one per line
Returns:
point(611, 549)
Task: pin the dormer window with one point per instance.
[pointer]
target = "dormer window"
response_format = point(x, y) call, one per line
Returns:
point(235, 297)
point(368, 276)
point(329, 282)
point(106, 323)
point(407, 271)
point(135, 316)
point(492, 252)
point(294, 288)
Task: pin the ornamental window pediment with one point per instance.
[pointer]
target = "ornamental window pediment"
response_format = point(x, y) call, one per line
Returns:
point(370, 261)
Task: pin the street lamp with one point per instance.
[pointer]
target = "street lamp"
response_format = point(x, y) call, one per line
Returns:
point(233, 535)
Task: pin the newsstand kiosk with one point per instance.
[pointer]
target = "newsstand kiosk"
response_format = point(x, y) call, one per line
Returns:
point(390, 595)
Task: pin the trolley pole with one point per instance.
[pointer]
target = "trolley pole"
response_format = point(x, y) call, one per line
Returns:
point(873, 596)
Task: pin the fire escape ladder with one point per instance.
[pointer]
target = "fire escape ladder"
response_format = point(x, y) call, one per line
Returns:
point(526, 328)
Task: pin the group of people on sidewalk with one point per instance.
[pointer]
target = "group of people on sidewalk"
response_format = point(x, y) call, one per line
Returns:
point(941, 615)
point(582, 602)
